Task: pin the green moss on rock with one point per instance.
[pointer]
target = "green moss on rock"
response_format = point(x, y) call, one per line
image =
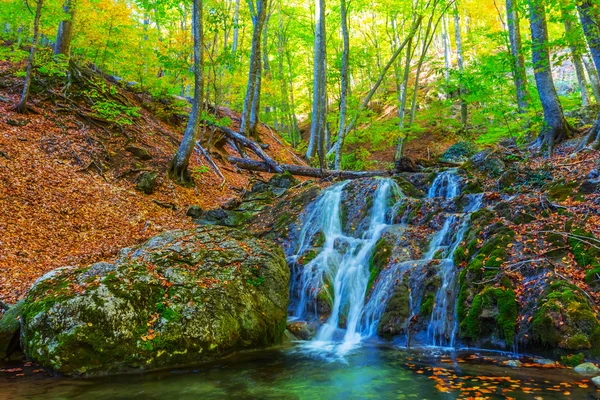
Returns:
point(179, 299)
point(564, 319)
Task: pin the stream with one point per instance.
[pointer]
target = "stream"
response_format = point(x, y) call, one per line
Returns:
point(292, 373)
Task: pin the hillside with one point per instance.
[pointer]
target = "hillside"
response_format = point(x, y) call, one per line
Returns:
point(68, 177)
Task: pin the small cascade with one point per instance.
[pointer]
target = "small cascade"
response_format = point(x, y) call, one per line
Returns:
point(341, 266)
point(445, 185)
point(442, 328)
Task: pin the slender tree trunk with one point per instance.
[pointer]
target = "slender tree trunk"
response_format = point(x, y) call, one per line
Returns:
point(317, 129)
point(236, 27)
point(516, 49)
point(576, 56)
point(344, 84)
point(594, 79)
point(590, 21)
point(22, 106)
point(65, 31)
point(461, 67)
point(178, 168)
point(556, 128)
point(252, 99)
point(447, 49)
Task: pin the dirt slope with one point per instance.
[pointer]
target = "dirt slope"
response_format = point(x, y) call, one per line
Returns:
point(67, 182)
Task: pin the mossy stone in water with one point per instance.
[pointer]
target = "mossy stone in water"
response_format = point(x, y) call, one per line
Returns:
point(181, 298)
point(9, 330)
point(564, 319)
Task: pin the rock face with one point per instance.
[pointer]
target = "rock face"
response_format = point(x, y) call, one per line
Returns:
point(181, 298)
point(9, 330)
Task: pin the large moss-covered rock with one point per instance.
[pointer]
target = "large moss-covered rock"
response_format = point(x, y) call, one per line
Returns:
point(9, 330)
point(181, 298)
point(564, 319)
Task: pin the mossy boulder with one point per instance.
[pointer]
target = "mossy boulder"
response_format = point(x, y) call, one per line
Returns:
point(181, 298)
point(9, 330)
point(459, 152)
point(492, 318)
point(564, 319)
point(397, 311)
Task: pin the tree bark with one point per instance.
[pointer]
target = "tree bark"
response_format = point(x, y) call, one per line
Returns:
point(236, 27)
point(22, 106)
point(178, 168)
point(594, 79)
point(65, 30)
point(590, 20)
point(317, 128)
point(461, 67)
point(556, 128)
point(299, 170)
point(516, 49)
point(576, 57)
point(344, 84)
point(252, 98)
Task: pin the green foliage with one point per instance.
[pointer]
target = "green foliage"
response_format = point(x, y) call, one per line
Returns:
point(13, 53)
point(572, 360)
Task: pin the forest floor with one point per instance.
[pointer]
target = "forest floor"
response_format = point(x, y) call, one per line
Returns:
point(68, 185)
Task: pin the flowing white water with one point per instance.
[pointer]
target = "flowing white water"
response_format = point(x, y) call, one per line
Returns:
point(340, 268)
point(446, 185)
point(343, 263)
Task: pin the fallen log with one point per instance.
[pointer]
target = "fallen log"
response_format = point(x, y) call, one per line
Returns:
point(255, 147)
point(253, 165)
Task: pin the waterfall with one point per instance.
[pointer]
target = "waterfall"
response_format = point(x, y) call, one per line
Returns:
point(331, 263)
point(343, 263)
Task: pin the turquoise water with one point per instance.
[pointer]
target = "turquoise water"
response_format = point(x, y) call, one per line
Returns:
point(291, 373)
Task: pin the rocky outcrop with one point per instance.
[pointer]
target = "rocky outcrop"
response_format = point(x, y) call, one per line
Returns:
point(9, 330)
point(181, 298)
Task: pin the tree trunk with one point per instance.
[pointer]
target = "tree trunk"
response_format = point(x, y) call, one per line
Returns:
point(317, 129)
point(299, 170)
point(447, 50)
point(576, 56)
point(178, 168)
point(590, 20)
point(594, 79)
point(65, 31)
point(556, 128)
point(516, 49)
point(22, 106)
point(236, 27)
point(252, 98)
point(461, 67)
point(344, 84)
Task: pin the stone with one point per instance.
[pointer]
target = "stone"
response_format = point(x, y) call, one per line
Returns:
point(301, 330)
point(405, 164)
point(194, 212)
point(596, 381)
point(587, 368)
point(513, 363)
point(487, 161)
point(147, 182)
point(459, 152)
point(182, 298)
point(9, 330)
point(139, 153)
point(543, 361)
point(508, 142)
